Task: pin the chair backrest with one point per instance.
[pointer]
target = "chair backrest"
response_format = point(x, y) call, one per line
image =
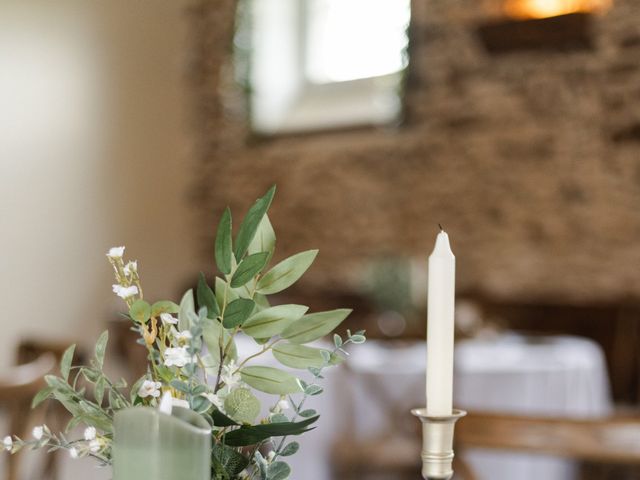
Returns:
point(22, 382)
point(609, 440)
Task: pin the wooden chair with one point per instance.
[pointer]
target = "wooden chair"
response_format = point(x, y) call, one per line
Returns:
point(608, 440)
point(51, 413)
point(613, 440)
point(384, 458)
point(18, 386)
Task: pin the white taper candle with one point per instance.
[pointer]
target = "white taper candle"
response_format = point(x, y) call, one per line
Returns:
point(440, 328)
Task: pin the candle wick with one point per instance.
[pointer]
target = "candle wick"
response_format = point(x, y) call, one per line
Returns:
point(441, 229)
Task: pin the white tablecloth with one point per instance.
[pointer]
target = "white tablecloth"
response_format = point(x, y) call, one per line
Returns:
point(553, 376)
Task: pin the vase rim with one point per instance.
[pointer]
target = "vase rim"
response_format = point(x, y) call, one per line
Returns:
point(180, 415)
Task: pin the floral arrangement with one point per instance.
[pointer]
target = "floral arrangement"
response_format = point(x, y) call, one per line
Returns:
point(193, 360)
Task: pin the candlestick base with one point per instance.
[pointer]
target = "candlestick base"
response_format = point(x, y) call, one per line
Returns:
point(437, 443)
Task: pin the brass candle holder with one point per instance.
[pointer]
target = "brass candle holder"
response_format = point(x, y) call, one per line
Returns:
point(437, 443)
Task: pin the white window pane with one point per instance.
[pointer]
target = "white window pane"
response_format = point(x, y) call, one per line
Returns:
point(352, 39)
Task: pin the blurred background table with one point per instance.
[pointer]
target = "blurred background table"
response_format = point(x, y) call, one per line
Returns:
point(547, 376)
point(509, 373)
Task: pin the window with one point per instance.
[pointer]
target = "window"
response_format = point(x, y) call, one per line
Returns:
point(322, 64)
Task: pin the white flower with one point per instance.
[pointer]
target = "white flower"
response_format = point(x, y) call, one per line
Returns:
point(73, 453)
point(115, 252)
point(178, 357)
point(125, 292)
point(131, 267)
point(38, 432)
point(168, 319)
point(271, 455)
point(230, 377)
point(7, 442)
point(214, 399)
point(95, 445)
point(149, 389)
point(166, 403)
point(283, 405)
point(90, 433)
point(177, 402)
point(182, 337)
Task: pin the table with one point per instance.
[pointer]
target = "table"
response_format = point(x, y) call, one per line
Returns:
point(553, 376)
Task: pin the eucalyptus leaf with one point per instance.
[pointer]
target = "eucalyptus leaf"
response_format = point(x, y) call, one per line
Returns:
point(237, 312)
point(224, 293)
point(315, 325)
point(98, 391)
point(278, 471)
point(270, 380)
point(41, 396)
point(262, 302)
point(212, 332)
point(221, 420)
point(250, 435)
point(279, 418)
point(164, 306)
point(180, 386)
point(228, 459)
point(187, 307)
point(286, 273)
point(65, 362)
point(290, 449)
point(101, 348)
point(206, 297)
point(313, 390)
point(272, 321)
point(135, 387)
point(298, 356)
point(264, 239)
point(250, 266)
point(223, 250)
point(251, 222)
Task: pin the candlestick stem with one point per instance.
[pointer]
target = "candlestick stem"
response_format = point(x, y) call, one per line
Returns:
point(437, 443)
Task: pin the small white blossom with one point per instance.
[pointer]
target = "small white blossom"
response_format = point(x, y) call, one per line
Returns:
point(178, 357)
point(271, 455)
point(115, 252)
point(214, 399)
point(95, 445)
point(7, 442)
point(230, 376)
point(283, 405)
point(182, 337)
point(90, 433)
point(131, 267)
point(149, 389)
point(73, 453)
point(38, 432)
point(168, 319)
point(125, 292)
point(166, 403)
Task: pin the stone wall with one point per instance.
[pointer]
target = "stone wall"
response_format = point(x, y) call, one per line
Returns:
point(531, 160)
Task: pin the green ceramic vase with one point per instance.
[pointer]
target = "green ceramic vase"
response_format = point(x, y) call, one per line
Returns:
point(149, 445)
